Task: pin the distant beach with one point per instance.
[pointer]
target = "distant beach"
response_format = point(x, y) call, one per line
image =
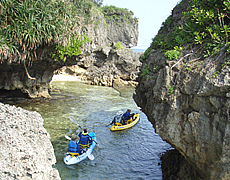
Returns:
point(65, 77)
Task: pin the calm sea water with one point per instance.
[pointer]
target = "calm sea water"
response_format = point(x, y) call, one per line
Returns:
point(129, 154)
point(138, 50)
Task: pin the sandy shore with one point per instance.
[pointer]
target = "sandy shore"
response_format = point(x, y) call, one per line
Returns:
point(65, 77)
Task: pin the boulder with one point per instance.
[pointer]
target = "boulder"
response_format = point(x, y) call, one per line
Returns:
point(26, 151)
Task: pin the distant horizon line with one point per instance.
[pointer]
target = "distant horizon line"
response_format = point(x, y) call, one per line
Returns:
point(138, 50)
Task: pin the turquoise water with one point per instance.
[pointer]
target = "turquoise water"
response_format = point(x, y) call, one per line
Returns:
point(129, 154)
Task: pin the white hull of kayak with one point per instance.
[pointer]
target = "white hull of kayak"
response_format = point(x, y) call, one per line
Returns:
point(76, 159)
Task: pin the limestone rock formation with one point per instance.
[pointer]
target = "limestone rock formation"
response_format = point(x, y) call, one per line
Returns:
point(195, 117)
point(189, 106)
point(119, 65)
point(25, 148)
point(99, 61)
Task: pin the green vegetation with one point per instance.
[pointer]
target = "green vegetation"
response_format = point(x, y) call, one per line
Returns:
point(119, 14)
point(118, 45)
point(206, 23)
point(170, 90)
point(73, 48)
point(145, 71)
point(146, 53)
point(172, 54)
point(216, 73)
point(202, 32)
point(27, 25)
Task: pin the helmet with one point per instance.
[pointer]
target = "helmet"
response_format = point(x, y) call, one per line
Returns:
point(84, 132)
point(119, 112)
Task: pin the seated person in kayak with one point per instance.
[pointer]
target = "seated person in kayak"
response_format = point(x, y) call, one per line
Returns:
point(117, 118)
point(85, 139)
point(73, 146)
point(126, 116)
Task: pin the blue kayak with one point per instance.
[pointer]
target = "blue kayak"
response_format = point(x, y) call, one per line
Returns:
point(76, 159)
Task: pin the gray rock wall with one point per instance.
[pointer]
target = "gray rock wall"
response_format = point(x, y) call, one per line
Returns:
point(103, 70)
point(194, 117)
point(188, 102)
point(104, 34)
point(103, 63)
point(25, 148)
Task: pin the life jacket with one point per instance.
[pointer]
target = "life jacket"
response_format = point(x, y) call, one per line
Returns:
point(84, 141)
point(126, 115)
point(117, 118)
point(73, 147)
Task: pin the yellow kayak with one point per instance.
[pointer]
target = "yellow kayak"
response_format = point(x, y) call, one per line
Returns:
point(130, 123)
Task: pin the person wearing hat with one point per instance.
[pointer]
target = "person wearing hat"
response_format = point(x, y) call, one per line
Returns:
point(85, 139)
point(116, 118)
point(73, 146)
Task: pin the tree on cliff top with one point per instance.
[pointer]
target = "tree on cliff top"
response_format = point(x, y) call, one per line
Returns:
point(26, 25)
point(119, 14)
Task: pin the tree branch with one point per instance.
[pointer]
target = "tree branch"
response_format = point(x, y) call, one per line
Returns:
point(27, 73)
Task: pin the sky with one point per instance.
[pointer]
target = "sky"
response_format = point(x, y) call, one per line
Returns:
point(151, 15)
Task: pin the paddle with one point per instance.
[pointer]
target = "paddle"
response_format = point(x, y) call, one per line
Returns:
point(107, 125)
point(88, 152)
point(67, 137)
point(75, 122)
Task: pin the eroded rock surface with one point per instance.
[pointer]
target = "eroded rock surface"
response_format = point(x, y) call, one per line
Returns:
point(193, 116)
point(25, 148)
point(120, 66)
point(99, 63)
point(188, 102)
point(174, 166)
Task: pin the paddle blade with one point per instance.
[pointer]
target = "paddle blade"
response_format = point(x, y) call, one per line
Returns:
point(67, 137)
point(90, 156)
point(73, 120)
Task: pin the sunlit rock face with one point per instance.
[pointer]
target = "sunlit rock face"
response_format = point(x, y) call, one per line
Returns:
point(100, 61)
point(25, 147)
point(195, 117)
point(189, 105)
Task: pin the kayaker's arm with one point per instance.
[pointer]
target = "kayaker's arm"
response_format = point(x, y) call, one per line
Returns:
point(114, 121)
point(93, 140)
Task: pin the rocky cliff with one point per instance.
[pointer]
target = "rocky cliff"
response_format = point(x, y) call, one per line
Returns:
point(100, 63)
point(26, 150)
point(188, 103)
point(103, 64)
